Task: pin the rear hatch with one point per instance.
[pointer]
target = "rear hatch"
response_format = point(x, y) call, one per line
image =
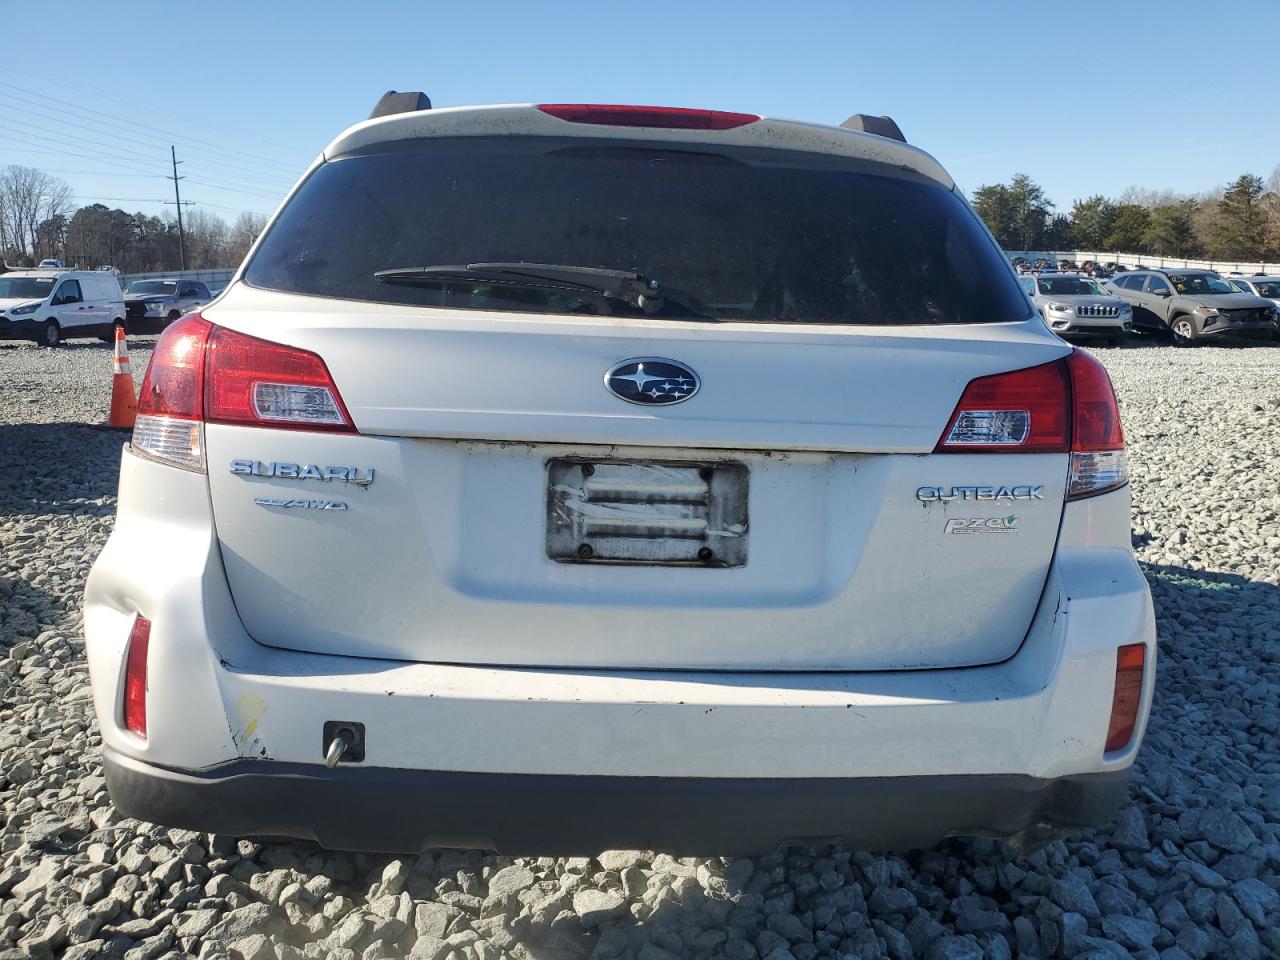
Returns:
point(503, 501)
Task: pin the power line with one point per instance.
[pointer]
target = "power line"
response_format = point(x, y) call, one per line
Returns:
point(234, 169)
point(148, 128)
point(131, 176)
point(91, 173)
point(233, 189)
point(58, 137)
point(41, 141)
point(113, 158)
point(81, 196)
point(152, 107)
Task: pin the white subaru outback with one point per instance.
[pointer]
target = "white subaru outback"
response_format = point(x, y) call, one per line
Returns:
point(564, 477)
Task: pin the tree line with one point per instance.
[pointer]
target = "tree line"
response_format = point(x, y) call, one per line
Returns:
point(39, 220)
point(1240, 222)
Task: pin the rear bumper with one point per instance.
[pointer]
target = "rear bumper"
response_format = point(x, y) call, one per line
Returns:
point(401, 811)
point(1246, 331)
point(600, 758)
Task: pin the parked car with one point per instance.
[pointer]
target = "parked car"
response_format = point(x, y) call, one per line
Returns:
point(1193, 305)
point(621, 477)
point(1073, 308)
point(154, 304)
point(1259, 285)
point(49, 306)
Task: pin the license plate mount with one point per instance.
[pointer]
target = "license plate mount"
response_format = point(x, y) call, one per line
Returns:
point(651, 513)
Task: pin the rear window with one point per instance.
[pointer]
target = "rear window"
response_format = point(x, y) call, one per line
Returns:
point(730, 234)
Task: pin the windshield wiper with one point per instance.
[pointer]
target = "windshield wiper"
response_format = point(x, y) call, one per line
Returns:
point(643, 293)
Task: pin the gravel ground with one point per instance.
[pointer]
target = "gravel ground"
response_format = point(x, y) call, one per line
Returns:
point(1190, 869)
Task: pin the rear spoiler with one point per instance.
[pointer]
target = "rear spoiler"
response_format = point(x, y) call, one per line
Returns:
point(393, 102)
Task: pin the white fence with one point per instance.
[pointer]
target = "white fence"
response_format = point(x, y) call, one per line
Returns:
point(1145, 260)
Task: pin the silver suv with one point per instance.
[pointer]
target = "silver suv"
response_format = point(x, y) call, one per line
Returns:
point(1072, 307)
point(1260, 285)
point(1194, 305)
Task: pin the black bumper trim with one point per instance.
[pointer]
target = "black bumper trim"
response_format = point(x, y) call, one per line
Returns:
point(379, 809)
point(20, 329)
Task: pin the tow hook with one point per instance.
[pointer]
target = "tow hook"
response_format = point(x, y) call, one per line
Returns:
point(343, 741)
point(337, 747)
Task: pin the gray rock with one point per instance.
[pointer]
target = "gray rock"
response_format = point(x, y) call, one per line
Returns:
point(431, 920)
point(885, 900)
point(1070, 893)
point(1256, 900)
point(982, 921)
point(1224, 829)
point(195, 923)
point(394, 876)
point(255, 947)
point(619, 860)
point(1130, 831)
point(350, 929)
point(1130, 931)
point(1202, 875)
point(954, 948)
point(634, 882)
point(789, 927)
point(653, 952)
point(429, 948)
point(595, 907)
point(243, 922)
point(510, 880)
point(737, 875)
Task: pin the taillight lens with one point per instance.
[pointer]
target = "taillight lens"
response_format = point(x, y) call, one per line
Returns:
point(1131, 662)
point(170, 406)
point(1097, 444)
point(620, 115)
point(259, 383)
point(1023, 411)
point(203, 373)
point(1064, 406)
point(135, 677)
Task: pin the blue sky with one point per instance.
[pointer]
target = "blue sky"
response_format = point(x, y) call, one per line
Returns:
point(1084, 97)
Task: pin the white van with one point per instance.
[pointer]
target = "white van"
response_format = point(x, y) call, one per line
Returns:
point(48, 306)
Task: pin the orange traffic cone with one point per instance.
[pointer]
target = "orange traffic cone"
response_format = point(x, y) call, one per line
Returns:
point(124, 398)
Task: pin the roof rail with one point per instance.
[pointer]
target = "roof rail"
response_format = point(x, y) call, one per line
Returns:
point(880, 126)
point(393, 102)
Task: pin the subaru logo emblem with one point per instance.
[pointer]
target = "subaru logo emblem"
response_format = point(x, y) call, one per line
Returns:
point(651, 381)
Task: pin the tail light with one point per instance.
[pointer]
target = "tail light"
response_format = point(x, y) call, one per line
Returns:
point(1131, 662)
point(201, 373)
point(135, 677)
point(258, 383)
point(1097, 445)
point(617, 115)
point(168, 426)
point(1067, 406)
point(1024, 411)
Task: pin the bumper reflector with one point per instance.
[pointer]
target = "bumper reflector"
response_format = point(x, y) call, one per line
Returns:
point(135, 677)
point(1131, 662)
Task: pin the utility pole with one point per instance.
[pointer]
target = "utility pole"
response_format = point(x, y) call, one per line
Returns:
point(177, 202)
